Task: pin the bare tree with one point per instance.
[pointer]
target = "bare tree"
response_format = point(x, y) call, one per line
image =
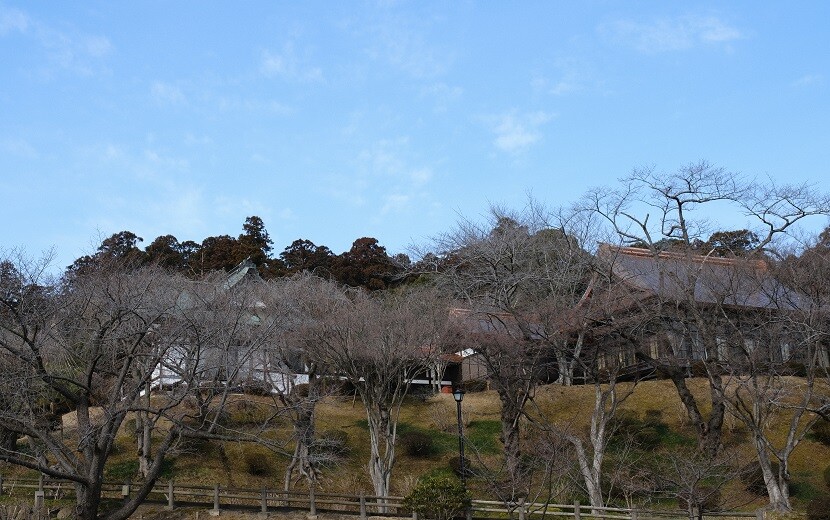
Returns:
point(96, 342)
point(766, 351)
point(655, 211)
point(379, 343)
point(514, 275)
point(296, 301)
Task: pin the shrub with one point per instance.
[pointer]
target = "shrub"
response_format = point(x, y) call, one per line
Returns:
point(332, 442)
point(820, 432)
point(122, 471)
point(417, 444)
point(438, 497)
point(257, 461)
point(753, 478)
point(819, 508)
point(455, 465)
point(248, 413)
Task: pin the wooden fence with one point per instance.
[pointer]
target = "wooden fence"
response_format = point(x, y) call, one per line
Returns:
point(216, 497)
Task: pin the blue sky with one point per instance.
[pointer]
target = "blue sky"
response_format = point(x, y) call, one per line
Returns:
point(337, 120)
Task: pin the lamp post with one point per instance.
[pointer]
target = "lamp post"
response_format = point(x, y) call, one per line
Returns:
point(458, 395)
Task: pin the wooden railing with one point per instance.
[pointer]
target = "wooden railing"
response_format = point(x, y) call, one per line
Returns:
point(216, 497)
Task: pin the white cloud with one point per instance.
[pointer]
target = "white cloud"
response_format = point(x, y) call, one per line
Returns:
point(287, 65)
point(421, 176)
point(401, 43)
point(671, 34)
point(19, 147)
point(97, 46)
point(69, 49)
point(394, 202)
point(12, 20)
point(443, 94)
point(808, 80)
point(166, 93)
point(515, 132)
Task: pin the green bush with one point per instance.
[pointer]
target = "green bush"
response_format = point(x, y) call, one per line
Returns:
point(820, 432)
point(819, 508)
point(438, 497)
point(257, 461)
point(454, 464)
point(417, 443)
point(753, 478)
point(122, 471)
point(249, 413)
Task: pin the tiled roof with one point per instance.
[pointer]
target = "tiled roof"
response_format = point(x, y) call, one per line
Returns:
point(668, 275)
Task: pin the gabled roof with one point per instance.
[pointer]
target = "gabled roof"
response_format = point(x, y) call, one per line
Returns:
point(245, 269)
point(739, 282)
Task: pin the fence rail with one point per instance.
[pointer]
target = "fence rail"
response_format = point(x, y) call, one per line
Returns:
point(271, 500)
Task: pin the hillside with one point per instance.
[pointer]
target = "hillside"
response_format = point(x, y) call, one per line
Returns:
point(238, 465)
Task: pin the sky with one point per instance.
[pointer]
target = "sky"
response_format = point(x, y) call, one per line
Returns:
point(390, 119)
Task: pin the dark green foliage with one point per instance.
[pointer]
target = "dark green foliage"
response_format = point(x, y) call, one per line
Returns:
point(417, 443)
point(438, 497)
point(820, 432)
point(819, 508)
point(454, 464)
point(122, 471)
point(257, 461)
point(248, 413)
point(648, 433)
point(483, 436)
point(753, 478)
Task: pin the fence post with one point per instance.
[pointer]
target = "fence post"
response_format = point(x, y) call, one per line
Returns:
point(170, 495)
point(414, 515)
point(1, 484)
point(264, 503)
point(577, 512)
point(39, 503)
point(312, 504)
point(634, 514)
point(215, 510)
point(362, 505)
point(125, 491)
point(522, 508)
point(40, 482)
point(759, 514)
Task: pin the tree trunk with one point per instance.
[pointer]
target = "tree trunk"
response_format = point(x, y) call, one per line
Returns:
point(304, 438)
point(382, 456)
point(511, 411)
point(87, 501)
point(777, 485)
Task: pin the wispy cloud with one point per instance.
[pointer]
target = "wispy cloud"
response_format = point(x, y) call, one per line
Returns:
point(12, 20)
point(515, 133)
point(166, 93)
point(670, 34)
point(808, 80)
point(71, 50)
point(19, 148)
point(442, 94)
point(287, 65)
point(405, 44)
